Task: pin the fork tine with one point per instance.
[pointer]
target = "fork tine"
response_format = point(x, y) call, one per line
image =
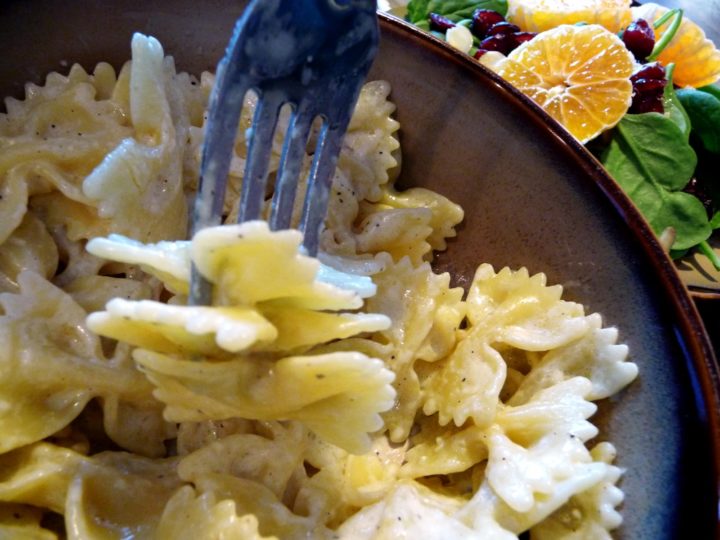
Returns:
point(215, 161)
point(224, 108)
point(290, 166)
point(321, 177)
point(256, 167)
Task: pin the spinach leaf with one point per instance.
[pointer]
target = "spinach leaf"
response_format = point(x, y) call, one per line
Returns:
point(418, 11)
point(678, 253)
point(715, 221)
point(652, 161)
point(658, 149)
point(713, 89)
point(703, 109)
point(673, 106)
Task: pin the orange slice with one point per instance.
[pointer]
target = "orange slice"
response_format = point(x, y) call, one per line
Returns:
point(541, 15)
point(580, 75)
point(696, 59)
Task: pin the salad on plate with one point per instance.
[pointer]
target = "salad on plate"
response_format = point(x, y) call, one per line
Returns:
point(636, 84)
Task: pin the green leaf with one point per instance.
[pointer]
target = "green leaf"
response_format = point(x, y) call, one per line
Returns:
point(703, 109)
point(713, 89)
point(687, 215)
point(673, 106)
point(659, 149)
point(678, 253)
point(652, 161)
point(418, 11)
point(715, 221)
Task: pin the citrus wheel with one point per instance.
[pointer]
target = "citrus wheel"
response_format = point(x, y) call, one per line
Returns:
point(580, 75)
point(541, 15)
point(696, 59)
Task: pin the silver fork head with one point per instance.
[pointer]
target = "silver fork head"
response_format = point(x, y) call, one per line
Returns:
point(312, 54)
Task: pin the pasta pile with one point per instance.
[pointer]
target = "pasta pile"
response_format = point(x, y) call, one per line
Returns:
point(356, 396)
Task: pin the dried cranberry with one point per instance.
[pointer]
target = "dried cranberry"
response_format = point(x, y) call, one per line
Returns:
point(649, 86)
point(439, 23)
point(479, 54)
point(644, 103)
point(483, 19)
point(654, 70)
point(503, 43)
point(639, 38)
point(522, 37)
point(502, 28)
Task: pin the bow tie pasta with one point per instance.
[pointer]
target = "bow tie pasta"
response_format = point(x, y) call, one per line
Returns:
point(357, 395)
point(268, 310)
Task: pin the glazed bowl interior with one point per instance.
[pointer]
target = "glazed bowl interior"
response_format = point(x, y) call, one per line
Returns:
point(532, 196)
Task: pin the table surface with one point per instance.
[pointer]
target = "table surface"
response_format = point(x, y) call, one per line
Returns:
point(705, 13)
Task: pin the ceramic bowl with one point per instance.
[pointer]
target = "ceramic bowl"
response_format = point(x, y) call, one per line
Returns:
point(533, 197)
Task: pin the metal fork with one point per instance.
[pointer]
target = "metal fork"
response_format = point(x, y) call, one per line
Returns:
point(312, 54)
